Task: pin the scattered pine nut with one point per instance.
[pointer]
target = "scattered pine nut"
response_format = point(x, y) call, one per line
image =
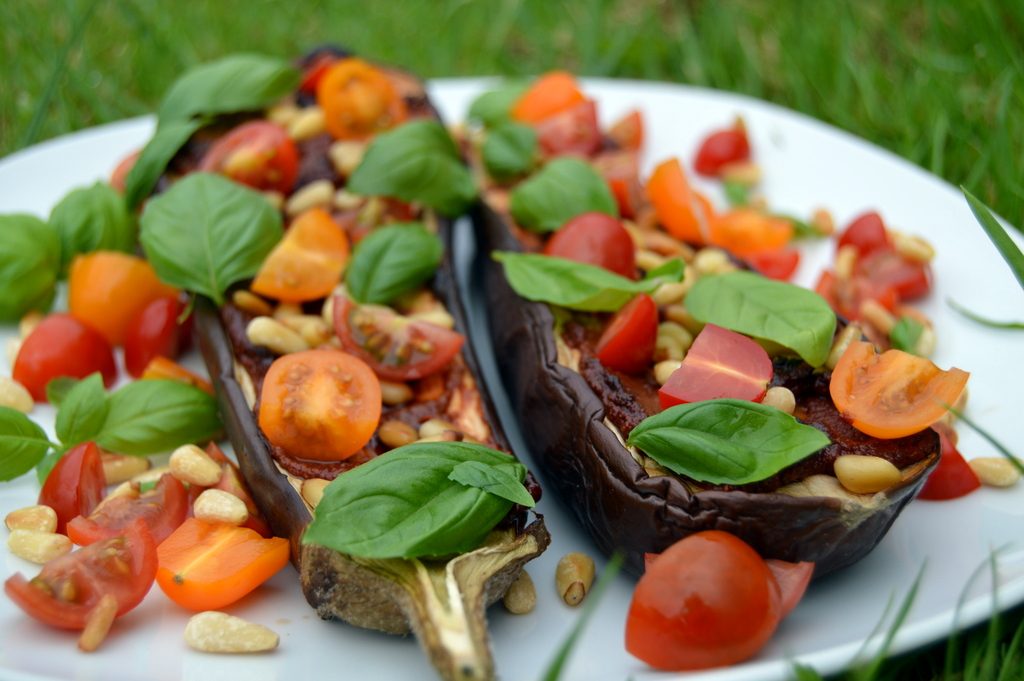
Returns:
point(574, 576)
point(434, 427)
point(191, 464)
point(15, 396)
point(308, 123)
point(216, 632)
point(38, 547)
point(11, 349)
point(28, 323)
point(875, 314)
point(649, 260)
point(152, 475)
point(392, 393)
point(781, 398)
point(283, 113)
point(664, 369)
point(865, 474)
point(248, 301)
point(285, 311)
point(680, 315)
point(912, 247)
point(438, 317)
point(395, 433)
point(746, 173)
point(846, 260)
point(849, 334)
point(669, 293)
point(318, 194)
point(275, 336)
point(97, 624)
point(346, 156)
point(118, 468)
point(995, 471)
point(218, 506)
point(346, 200)
point(712, 261)
point(313, 490)
point(521, 597)
point(823, 221)
point(36, 518)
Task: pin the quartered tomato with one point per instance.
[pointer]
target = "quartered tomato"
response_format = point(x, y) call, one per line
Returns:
point(778, 264)
point(628, 342)
point(887, 269)
point(153, 332)
point(163, 368)
point(744, 231)
point(628, 131)
point(621, 170)
point(60, 345)
point(75, 485)
point(573, 131)
point(162, 508)
point(320, 404)
point(719, 364)
point(953, 477)
point(358, 100)
point(685, 213)
point(550, 94)
point(595, 239)
point(119, 176)
point(306, 264)
point(866, 233)
point(258, 154)
point(64, 593)
point(721, 148)
point(396, 348)
point(893, 394)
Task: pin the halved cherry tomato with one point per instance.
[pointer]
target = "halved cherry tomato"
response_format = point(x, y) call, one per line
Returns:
point(258, 154)
point(721, 148)
point(720, 363)
point(162, 508)
point(550, 94)
point(206, 566)
point(888, 269)
point(779, 264)
point(595, 239)
point(320, 404)
point(866, 233)
point(953, 477)
point(893, 394)
point(153, 332)
point(107, 290)
point(161, 367)
point(306, 264)
point(628, 342)
point(64, 593)
point(621, 170)
point(845, 296)
point(358, 100)
point(685, 213)
point(60, 345)
point(119, 176)
point(314, 72)
point(707, 601)
point(792, 578)
point(396, 347)
point(628, 131)
point(744, 231)
point(573, 131)
point(75, 485)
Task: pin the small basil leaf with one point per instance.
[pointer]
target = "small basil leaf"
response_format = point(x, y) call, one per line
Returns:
point(23, 444)
point(391, 261)
point(155, 415)
point(58, 388)
point(669, 271)
point(29, 262)
point(152, 162)
point(47, 463)
point(207, 232)
point(793, 317)
point(510, 150)
point(726, 442)
point(905, 334)
point(494, 107)
point(1007, 248)
point(82, 411)
point(736, 193)
point(403, 504)
point(575, 285)
point(494, 480)
point(418, 162)
point(801, 228)
point(92, 219)
point(561, 190)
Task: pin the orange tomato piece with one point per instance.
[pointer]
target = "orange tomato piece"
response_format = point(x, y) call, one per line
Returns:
point(320, 404)
point(745, 231)
point(161, 367)
point(206, 566)
point(628, 131)
point(358, 100)
point(550, 94)
point(685, 213)
point(307, 263)
point(894, 394)
point(107, 289)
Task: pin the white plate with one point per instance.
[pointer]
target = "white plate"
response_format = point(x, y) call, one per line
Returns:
point(807, 164)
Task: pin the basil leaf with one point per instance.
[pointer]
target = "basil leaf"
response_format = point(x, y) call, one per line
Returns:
point(239, 82)
point(29, 261)
point(156, 415)
point(82, 412)
point(495, 480)
point(403, 504)
point(92, 219)
point(905, 334)
point(801, 228)
point(736, 193)
point(668, 271)
point(22, 444)
point(58, 388)
point(1007, 248)
point(510, 150)
point(152, 162)
point(207, 232)
point(576, 285)
point(416, 162)
point(391, 261)
point(494, 107)
point(793, 317)
point(726, 442)
point(563, 189)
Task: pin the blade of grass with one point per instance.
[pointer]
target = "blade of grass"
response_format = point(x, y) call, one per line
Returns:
point(991, 323)
point(989, 437)
point(870, 671)
point(1007, 248)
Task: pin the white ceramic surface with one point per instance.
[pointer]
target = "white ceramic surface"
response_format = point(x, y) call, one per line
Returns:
point(807, 164)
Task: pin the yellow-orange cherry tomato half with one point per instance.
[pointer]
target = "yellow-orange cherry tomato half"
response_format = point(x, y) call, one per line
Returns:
point(307, 263)
point(358, 100)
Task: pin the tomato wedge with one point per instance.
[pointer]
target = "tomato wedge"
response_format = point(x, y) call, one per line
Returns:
point(893, 394)
point(685, 213)
point(627, 344)
point(61, 345)
point(161, 367)
point(358, 100)
point(573, 131)
point(866, 233)
point(887, 269)
point(548, 95)
point(206, 566)
point(745, 231)
point(778, 264)
point(595, 239)
point(307, 263)
point(75, 485)
point(721, 148)
point(153, 332)
point(621, 170)
point(162, 508)
point(628, 131)
point(953, 477)
point(119, 176)
point(258, 154)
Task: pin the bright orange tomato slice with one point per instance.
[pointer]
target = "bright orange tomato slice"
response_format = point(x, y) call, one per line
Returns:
point(358, 100)
point(206, 566)
point(744, 231)
point(306, 264)
point(894, 394)
point(161, 367)
point(685, 213)
point(552, 93)
point(107, 289)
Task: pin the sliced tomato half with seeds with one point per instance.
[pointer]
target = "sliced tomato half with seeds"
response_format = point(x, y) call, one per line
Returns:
point(162, 508)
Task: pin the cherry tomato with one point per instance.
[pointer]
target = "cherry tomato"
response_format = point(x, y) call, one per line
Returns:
point(67, 589)
point(314, 72)
point(573, 131)
point(847, 296)
point(720, 363)
point(397, 348)
point(60, 345)
point(778, 264)
point(628, 342)
point(886, 268)
point(550, 94)
point(320, 404)
point(744, 231)
point(595, 239)
point(621, 170)
point(162, 508)
point(707, 601)
point(685, 213)
point(792, 578)
point(153, 332)
point(721, 148)
point(893, 394)
point(258, 154)
point(953, 477)
point(866, 233)
point(628, 131)
point(119, 176)
point(75, 485)
point(358, 100)
point(306, 264)
point(206, 566)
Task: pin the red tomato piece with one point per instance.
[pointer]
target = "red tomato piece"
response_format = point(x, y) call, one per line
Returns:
point(720, 363)
point(621, 170)
point(119, 176)
point(75, 485)
point(953, 477)
point(571, 132)
point(721, 148)
point(153, 332)
point(628, 342)
point(776, 264)
point(866, 233)
point(60, 345)
point(595, 239)
point(259, 154)
point(628, 131)
point(162, 508)
point(792, 578)
point(886, 268)
point(846, 296)
point(312, 74)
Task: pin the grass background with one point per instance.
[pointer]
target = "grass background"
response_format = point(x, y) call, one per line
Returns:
point(940, 83)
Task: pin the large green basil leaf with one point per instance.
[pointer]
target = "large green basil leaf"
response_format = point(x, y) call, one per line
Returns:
point(726, 442)
point(419, 162)
point(793, 317)
point(391, 261)
point(22, 444)
point(494, 107)
point(207, 232)
point(561, 190)
point(510, 150)
point(152, 162)
point(576, 285)
point(29, 262)
point(156, 415)
point(493, 479)
point(92, 219)
point(83, 411)
point(403, 504)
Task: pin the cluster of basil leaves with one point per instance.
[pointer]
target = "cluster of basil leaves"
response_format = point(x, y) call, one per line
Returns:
point(510, 150)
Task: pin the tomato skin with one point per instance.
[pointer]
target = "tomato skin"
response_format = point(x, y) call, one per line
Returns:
point(60, 345)
point(627, 344)
point(162, 509)
point(777, 264)
point(163, 368)
point(75, 485)
point(953, 477)
point(153, 332)
point(685, 213)
point(595, 239)
point(571, 132)
point(628, 131)
point(358, 100)
point(258, 154)
point(119, 176)
point(793, 580)
point(887, 269)
point(550, 94)
point(307, 263)
point(314, 72)
point(744, 231)
point(866, 233)
point(721, 148)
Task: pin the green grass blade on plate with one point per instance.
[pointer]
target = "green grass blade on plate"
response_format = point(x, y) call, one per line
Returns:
point(991, 323)
point(1000, 447)
point(1007, 248)
point(869, 671)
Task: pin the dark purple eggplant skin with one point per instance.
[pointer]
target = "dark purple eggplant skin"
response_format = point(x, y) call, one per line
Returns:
point(598, 480)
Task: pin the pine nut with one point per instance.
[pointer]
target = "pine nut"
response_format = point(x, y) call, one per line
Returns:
point(912, 247)
point(38, 547)
point(15, 396)
point(125, 489)
point(875, 314)
point(395, 433)
point(680, 315)
point(312, 490)
point(216, 632)
point(218, 506)
point(274, 336)
point(346, 200)
point(275, 199)
point(865, 474)
point(669, 294)
point(371, 212)
point(245, 384)
point(392, 393)
point(28, 323)
point(97, 624)
point(346, 156)
point(312, 328)
point(781, 398)
point(434, 427)
point(37, 518)
point(327, 311)
point(664, 369)
point(746, 173)
point(118, 468)
point(672, 342)
point(849, 334)
point(247, 301)
point(712, 261)
point(573, 577)
point(995, 471)
point(283, 113)
point(318, 194)
point(191, 464)
point(823, 222)
point(152, 475)
point(437, 317)
point(521, 597)
point(846, 260)
point(309, 123)
point(925, 346)
point(663, 244)
point(285, 311)
point(11, 349)
point(649, 260)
